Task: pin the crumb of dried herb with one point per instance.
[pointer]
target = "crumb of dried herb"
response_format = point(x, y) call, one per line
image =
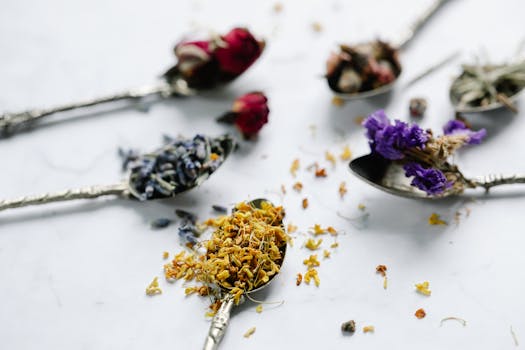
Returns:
point(305, 203)
point(342, 189)
point(435, 219)
point(153, 288)
point(367, 329)
point(299, 279)
point(420, 313)
point(249, 332)
point(348, 326)
point(294, 167)
point(320, 172)
point(423, 288)
point(381, 269)
point(298, 186)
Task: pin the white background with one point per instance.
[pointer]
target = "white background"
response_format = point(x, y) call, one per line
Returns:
point(73, 275)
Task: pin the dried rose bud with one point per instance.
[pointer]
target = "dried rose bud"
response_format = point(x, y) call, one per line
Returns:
point(249, 113)
point(206, 63)
point(238, 51)
point(417, 107)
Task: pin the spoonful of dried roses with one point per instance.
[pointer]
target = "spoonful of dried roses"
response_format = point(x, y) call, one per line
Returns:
point(411, 162)
point(371, 68)
point(178, 166)
point(202, 64)
point(243, 255)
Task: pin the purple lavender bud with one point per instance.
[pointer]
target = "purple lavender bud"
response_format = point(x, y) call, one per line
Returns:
point(457, 127)
point(430, 180)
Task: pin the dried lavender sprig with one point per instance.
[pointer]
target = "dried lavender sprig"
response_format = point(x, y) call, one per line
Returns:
point(148, 177)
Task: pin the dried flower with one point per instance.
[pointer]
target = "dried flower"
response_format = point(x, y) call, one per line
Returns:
point(381, 269)
point(326, 254)
point(362, 67)
point(458, 127)
point(298, 186)
point(422, 155)
point(423, 288)
point(160, 223)
point(294, 167)
point(342, 189)
point(348, 326)
point(249, 332)
point(420, 313)
point(347, 153)
point(331, 158)
point(417, 107)
point(165, 255)
point(206, 63)
point(367, 329)
point(435, 219)
point(305, 203)
point(312, 244)
point(320, 172)
point(249, 114)
point(153, 288)
point(179, 165)
point(334, 245)
point(311, 261)
point(259, 308)
point(312, 274)
point(299, 279)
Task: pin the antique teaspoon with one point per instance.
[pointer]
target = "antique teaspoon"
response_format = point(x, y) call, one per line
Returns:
point(178, 166)
point(389, 176)
point(221, 319)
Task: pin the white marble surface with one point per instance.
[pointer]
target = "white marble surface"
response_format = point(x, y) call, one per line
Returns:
point(73, 275)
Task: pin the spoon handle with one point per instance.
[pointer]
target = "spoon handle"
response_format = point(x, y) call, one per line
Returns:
point(411, 31)
point(13, 122)
point(495, 180)
point(120, 189)
point(219, 323)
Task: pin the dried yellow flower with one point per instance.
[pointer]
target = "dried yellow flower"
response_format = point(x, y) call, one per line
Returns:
point(435, 219)
point(331, 158)
point(331, 230)
point(317, 27)
point(294, 167)
point(312, 244)
point(361, 206)
point(153, 288)
point(346, 154)
point(298, 186)
point(423, 288)
point(291, 228)
point(338, 101)
point(342, 189)
point(312, 274)
point(311, 261)
point(305, 203)
point(249, 332)
point(259, 308)
point(367, 329)
point(326, 254)
point(318, 230)
point(165, 255)
point(334, 245)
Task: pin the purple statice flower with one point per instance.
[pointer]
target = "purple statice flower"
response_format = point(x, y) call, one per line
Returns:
point(389, 140)
point(457, 127)
point(430, 180)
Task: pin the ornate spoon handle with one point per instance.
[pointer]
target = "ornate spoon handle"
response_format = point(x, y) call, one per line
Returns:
point(11, 122)
point(495, 180)
point(120, 189)
point(219, 324)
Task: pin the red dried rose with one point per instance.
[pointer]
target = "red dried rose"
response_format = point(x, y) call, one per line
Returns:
point(240, 51)
point(249, 113)
point(204, 64)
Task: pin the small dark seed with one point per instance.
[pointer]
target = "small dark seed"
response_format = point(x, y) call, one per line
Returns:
point(348, 326)
point(161, 223)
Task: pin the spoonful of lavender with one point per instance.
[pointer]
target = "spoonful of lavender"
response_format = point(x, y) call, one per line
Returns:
point(178, 166)
point(202, 64)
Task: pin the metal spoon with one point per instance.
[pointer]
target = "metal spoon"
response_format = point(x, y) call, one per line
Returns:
point(390, 177)
point(153, 178)
point(406, 37)
point(220, 321)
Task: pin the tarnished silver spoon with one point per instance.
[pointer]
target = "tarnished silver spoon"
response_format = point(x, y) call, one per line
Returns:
point(221, 319)
point(178, 166)
point(405, 38)
point(389, 176)
point(201, 65)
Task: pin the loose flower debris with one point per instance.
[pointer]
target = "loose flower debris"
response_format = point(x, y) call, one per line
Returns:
point(338, 101)
point(298, 186)
point(326, 254)
point(435, 219)
point(317, 27)
point(291, 228)
point(361, 206)
point(153, 288)
point(283, 189)
point(320, 172)
point(312, 274)
point(294, 167)
point(305, 203)
point(312, 244)
point(514, 337)
point(348, 326)
point(312, 261)
point(346, 154)
point(259, 308)
point(334, 245)
point(381, 269)
point(299, 279)
point(460, 320)
point(420, 313)
point(368, 329)
point(423, 288)
point(331, 158)
point(165, 255)
point(249, 332)
point(342, 189)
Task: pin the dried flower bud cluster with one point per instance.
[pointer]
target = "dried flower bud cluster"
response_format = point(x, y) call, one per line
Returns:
point(424, 157)
point(245, 251)
point(204, 64)
point(179, 165)
point(362, 67)
point(249, 113)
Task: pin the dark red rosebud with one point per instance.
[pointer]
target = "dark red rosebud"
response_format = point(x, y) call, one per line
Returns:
point(237, 52)
point(203, 64)
point(249, 113)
